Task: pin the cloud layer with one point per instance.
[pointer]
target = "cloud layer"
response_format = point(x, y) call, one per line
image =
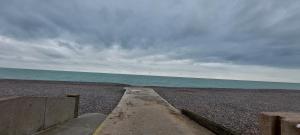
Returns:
point(218, 39)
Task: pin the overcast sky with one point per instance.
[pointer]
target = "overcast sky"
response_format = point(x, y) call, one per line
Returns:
point(226, 39)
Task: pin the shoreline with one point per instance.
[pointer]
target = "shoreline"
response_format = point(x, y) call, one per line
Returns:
point(140, 80)
point(64, 82)
point(150, 86)
point(236, 109)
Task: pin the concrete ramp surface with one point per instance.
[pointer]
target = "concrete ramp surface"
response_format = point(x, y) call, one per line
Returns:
point(83, 125)
point(142, 111)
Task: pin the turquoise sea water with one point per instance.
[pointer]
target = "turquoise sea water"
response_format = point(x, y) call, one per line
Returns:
point(11, 73)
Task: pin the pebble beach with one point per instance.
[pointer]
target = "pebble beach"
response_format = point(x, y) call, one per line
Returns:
point(94, 97)
point(236, 109)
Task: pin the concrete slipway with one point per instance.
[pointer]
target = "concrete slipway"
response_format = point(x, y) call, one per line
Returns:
point(142, 111)
point(84, 125)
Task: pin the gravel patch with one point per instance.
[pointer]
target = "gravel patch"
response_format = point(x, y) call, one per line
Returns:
point(235, 109)
point(94, 97)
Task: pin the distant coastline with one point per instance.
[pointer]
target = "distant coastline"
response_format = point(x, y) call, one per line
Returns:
point(70, 71)
point(139, 80)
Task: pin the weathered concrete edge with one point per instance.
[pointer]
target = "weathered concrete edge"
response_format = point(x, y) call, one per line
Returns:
point(210, 125)
point(77, 102)
point(99, 128)
point(3, 99)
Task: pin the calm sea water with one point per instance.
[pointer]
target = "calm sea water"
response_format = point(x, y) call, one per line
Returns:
point(11, 73)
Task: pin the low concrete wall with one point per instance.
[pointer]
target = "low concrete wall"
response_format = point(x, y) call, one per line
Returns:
point(20, 116)
point(279, 123)
point(58, 110)
point(27, 115)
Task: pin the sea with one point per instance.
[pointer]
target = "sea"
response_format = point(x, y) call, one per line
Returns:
point(140, 80)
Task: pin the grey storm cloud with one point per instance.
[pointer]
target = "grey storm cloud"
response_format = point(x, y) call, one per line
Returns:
point(246, 32)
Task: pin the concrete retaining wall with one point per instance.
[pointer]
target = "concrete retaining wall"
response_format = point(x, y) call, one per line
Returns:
point(279, 123)
point(27, 115)
point(58, 110)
